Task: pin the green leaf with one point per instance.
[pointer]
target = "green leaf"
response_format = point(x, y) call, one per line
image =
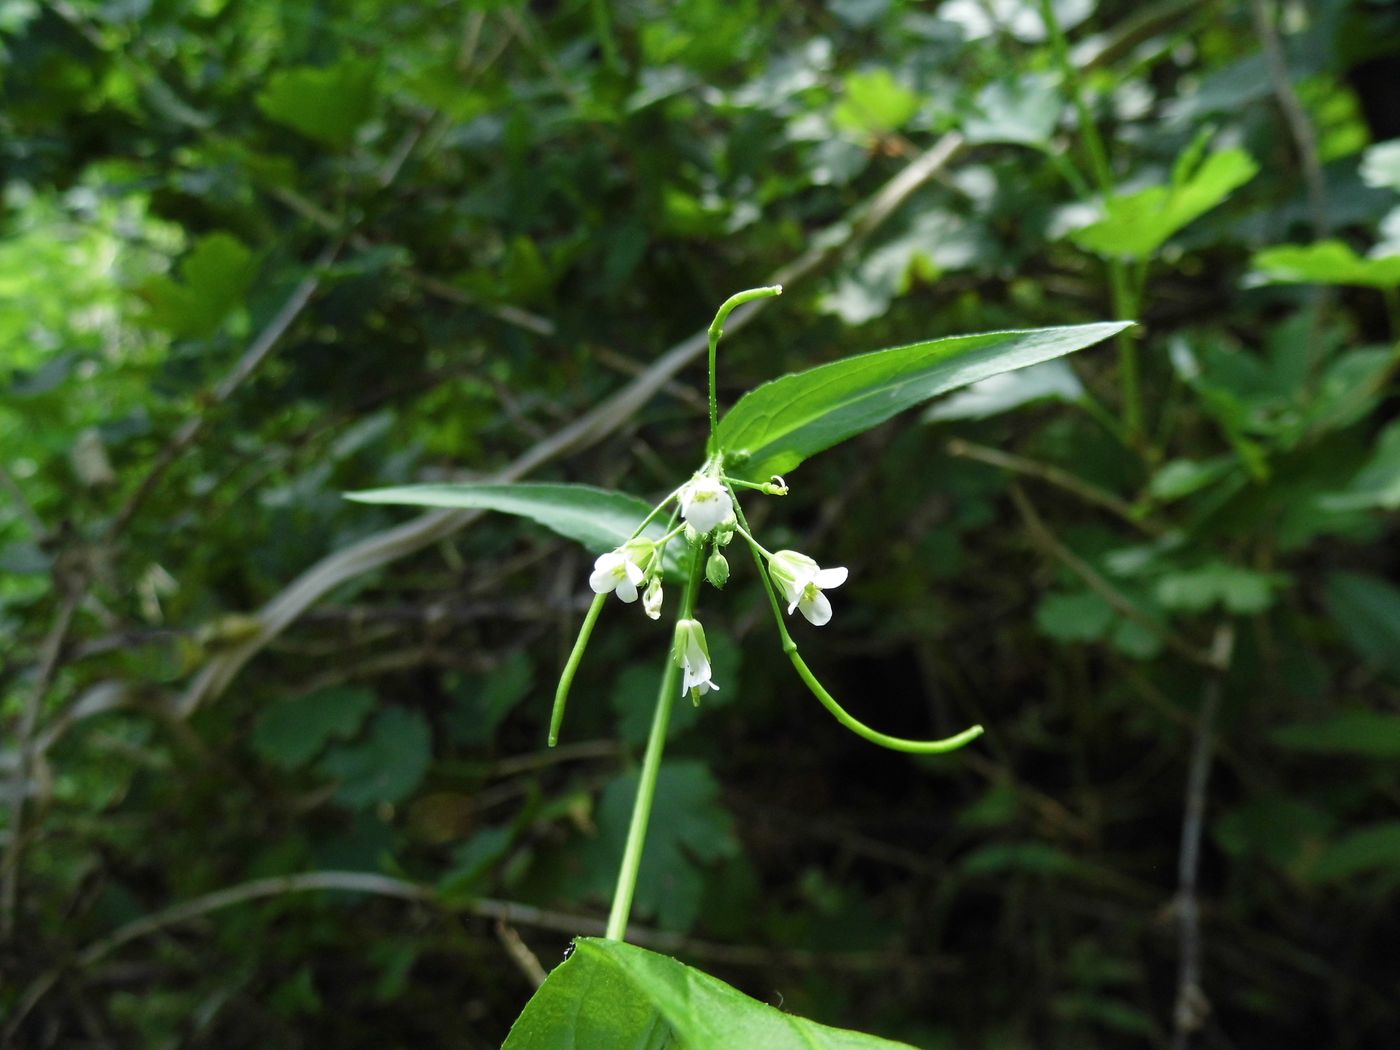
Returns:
point(875, 103)
point(597, 518)
point(1377, 484)
point(1376, 847)
point(1038, 858)
point(327, 105)
point(1182, 477)
point(292, 733)
point(480, 702)
point(213, 278)
point(1078, 617)
point(620, 997)
point(1326, 262)
point(1136, 225)
point(1367, 610)
point(1238, 589)
point(776, 426)
point(1372, 734)
point(387, 765)
point(1023, 111)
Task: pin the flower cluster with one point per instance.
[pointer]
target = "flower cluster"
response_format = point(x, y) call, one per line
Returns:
point(706, 509)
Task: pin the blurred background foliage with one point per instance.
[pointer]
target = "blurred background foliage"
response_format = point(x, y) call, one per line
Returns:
point(255, 254)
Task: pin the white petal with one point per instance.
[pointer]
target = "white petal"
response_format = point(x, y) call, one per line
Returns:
point(626, 590)
point(603, 580)
point(635, 574)
point(796, 597)
point(817, 609)
point(828, 578)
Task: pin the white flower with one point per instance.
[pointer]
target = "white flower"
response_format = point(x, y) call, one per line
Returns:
point(693, 656)
point(802, 581)
point(651, 600)
point(621, 570)
point(705, 503)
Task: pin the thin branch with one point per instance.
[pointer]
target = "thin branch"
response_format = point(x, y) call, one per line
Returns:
point(1087, 491)
point(1299, 126)
point(1120, 603)
point(1192, 1007)
point(386, 886)
point(526, 961)
point(385, 547)
point(44, 673)
point(252, 358)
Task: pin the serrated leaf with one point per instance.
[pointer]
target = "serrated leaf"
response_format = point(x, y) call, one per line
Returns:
point(1136, 225)
point(618, 996)
point(212, 280)
point(293, 732)
point(776, 426)
point(387, 765)
point(875, 103)
point(1367, 609)
point(689, 829)
point(597, 518)
point(326, 104)
point(1238, 589)
point(1373, 734)
point(1326, 262)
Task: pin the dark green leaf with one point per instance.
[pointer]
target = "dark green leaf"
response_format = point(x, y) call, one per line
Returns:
point(290, 734)
point(1367, 609)
point(387, 765)
point(1361, 852)
point(1373, 734)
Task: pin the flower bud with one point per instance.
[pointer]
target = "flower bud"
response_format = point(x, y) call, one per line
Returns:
point(717, 570)
point(651, 600)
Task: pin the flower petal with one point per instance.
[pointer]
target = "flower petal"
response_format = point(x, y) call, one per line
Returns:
point(817, 609)
point(828, 578)
point(626, 590)
point(603, 580)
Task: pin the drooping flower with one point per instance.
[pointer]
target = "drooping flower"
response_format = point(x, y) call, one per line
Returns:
point(802, 581)
point(692, 655)
point(705, 503)
point(651, 599)
point(621, 570)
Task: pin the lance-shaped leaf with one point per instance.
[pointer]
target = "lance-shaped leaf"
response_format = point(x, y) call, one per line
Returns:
point(776, 426)
point(600, 519)
point(615, 995)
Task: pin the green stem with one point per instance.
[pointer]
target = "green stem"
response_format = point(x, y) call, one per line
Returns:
point(566, 680)
point(651, 767)
point(654, 512)
point(1123, 302)
point(859, 728)
point(717, 330)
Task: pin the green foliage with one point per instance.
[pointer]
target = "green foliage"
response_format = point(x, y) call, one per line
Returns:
point(618, 995)
point(1326, 262)
point(328, 105)
point(1136, 225)
point(525, 206)
point(775, 427)
point(213, 279)
point(292, 733)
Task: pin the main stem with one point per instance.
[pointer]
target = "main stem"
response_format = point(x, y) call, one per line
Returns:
point(651, 767)
point(717, 330)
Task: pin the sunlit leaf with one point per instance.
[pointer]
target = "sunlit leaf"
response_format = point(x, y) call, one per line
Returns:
point(1326, 262)
point(326, 104)
point(1136, 225)
point(775, 427)
point(618, 996)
